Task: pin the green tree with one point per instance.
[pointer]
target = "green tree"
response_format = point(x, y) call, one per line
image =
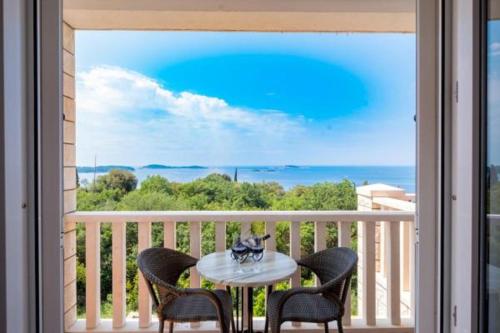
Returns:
point(158, 184)
point(120, 180)
point(117, 191)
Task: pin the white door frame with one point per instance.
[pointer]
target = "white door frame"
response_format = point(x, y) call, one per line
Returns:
point(466, 163)
point(17, 281)
point(429, 157)
point(50, 165)
point(428, 165)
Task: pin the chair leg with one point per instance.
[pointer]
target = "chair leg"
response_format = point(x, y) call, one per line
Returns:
point(339, 326)
point(326, 327)
point(233, 327)
point(161, 325)
point(171, 327)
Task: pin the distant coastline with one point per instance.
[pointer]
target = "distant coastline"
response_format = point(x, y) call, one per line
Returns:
point(103, 168)
point(161, 166)
point(107, 168)
point(287, 176)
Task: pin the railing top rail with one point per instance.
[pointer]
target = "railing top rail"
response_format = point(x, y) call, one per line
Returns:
point(238, 216)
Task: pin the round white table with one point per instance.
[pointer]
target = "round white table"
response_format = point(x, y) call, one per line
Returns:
point(220, 268)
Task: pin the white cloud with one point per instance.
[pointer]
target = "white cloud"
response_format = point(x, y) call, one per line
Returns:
point(126, 117)
point(112, 89)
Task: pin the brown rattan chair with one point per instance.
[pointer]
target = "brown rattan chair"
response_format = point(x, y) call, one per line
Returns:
point(161, 269)
point(334, 268)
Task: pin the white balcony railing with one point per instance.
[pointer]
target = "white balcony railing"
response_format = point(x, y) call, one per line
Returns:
point(378, 307)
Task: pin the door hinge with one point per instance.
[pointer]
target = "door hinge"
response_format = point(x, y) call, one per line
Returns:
point(454, 316)
point(61, 241)
point(455, 92)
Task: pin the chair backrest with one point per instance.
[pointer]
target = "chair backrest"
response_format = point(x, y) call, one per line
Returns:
point(162, 267)
point(334, 268)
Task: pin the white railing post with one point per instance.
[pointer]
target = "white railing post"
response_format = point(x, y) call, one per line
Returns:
point(169, 235)
point(119, 274)
point(393, 273)
point(195, 251)
point(405, 256)
point(295, 254)
point(245, 231)
point(144, 299)
point(271, 230)
point(93, 274)
point(320, 233)
point(270, 244)
point(344, 239)
point(319, 240)
point(412, 268)
point(367, 278)
point(220, 241)
point(295, 250)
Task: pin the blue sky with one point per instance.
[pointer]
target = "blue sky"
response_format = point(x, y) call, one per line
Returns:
point(212, 98)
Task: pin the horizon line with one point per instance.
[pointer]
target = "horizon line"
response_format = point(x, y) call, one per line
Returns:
point(252, 165)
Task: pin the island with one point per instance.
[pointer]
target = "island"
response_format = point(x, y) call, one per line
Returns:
point(161, 166)
point(103, 168)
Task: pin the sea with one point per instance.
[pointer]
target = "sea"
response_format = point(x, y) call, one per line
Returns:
point(288, 176)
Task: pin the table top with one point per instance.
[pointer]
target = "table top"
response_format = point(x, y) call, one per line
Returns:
point(220, 268)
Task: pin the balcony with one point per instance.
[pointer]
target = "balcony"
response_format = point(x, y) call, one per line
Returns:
point(384, 237)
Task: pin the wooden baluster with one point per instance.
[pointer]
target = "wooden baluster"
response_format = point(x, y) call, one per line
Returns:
point(220, 241)
point(367, 276)
point(383, 268)
point(119, 273)
point(195, 251)
point(93, 274)
point(271, 230)
point(412, 267)
point(270, 244)
point(295, 250)
point(295, 254)
point(246, 229)
point(169, 235)
point(393, 273)
point(144, 300)
point(320, 232)
point(344, 239)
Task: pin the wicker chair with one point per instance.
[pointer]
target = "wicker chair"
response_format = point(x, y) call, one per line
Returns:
point(161, 269)
point(334, 268)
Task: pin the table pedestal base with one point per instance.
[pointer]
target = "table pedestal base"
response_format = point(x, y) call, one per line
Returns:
point(240, 303)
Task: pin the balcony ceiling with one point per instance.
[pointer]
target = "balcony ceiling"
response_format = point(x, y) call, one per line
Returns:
point(243, 15)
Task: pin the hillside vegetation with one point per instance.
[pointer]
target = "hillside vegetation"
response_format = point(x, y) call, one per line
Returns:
point(118, 190)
